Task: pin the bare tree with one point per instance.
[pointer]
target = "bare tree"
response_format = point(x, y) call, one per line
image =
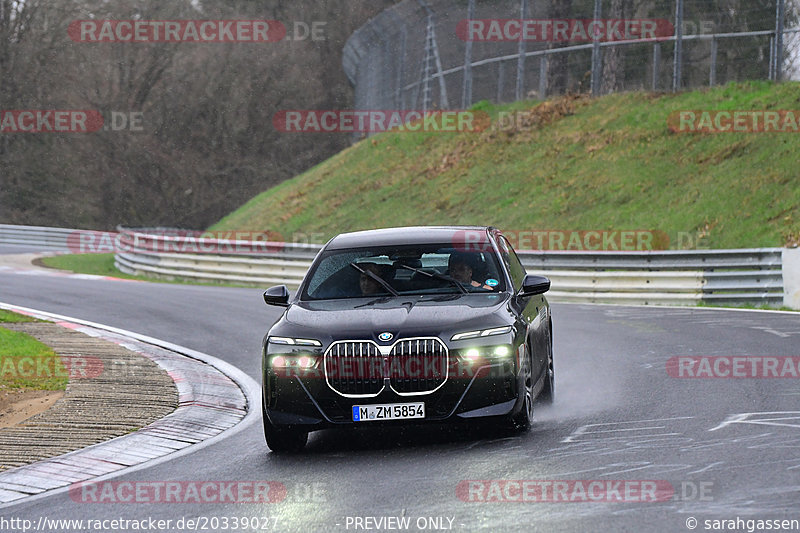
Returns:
point(206, 143)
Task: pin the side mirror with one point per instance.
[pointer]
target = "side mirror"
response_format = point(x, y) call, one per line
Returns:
point(278, 295)
point(533, 285)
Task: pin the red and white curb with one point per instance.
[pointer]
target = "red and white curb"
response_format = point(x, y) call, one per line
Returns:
point(216, 400)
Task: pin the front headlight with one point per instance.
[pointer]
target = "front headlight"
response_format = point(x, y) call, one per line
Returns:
point(495, 353)
point(294, 341)
point(293, 361)
point(480, 333)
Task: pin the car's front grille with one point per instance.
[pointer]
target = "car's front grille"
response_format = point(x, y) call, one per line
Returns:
point(354, 368)
point(418, 365)
point(360, 368)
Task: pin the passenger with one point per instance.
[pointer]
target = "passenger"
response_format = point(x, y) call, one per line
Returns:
point(461, 270)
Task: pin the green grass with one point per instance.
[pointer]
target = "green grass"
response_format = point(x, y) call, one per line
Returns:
point(103, 265)
point(26, 363)
point(98, 264)
point(610, 163)
point(8, 316)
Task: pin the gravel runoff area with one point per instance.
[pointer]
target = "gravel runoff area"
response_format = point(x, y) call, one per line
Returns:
point(178, 397)
point(112, 391)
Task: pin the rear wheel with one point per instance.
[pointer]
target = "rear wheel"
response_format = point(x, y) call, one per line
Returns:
point(283, 439)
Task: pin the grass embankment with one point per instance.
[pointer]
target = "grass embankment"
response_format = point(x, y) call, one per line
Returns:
point(103, 265)
point(579, 164)
point(97, 264)
point(8, 316)
point(26, 363)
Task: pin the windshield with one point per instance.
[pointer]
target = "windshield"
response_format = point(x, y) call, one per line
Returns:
point(402, 270)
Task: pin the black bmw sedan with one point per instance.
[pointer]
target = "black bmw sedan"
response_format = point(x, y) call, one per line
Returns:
point(407, 325)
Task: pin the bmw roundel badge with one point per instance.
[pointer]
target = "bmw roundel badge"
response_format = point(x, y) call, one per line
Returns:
point(385, 336)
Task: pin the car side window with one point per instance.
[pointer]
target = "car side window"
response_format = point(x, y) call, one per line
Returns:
point(512, 262)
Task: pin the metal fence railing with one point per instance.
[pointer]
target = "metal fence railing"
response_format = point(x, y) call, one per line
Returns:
point(674, 277)
point(416, 54)
point(161, 252)
point(36, 236)
point(751, 276)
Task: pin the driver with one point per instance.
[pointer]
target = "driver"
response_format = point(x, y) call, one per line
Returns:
point(460, 269)
point(368, 285)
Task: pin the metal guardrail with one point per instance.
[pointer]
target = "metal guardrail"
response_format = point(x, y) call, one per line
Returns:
point(752, 276)
point(752, 258)
point(674, 277)
point(36, 236)
point(658, 277)
point(154, 252)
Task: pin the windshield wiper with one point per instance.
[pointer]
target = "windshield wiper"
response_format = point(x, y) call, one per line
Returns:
point(380, 280)
point(436, 275)
point(376, 301)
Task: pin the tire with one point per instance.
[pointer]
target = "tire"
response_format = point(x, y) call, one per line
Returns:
point(548, 394)
point(522, 421)
point(283, 439)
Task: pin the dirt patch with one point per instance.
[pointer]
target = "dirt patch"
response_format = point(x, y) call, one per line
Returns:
point(19, 405)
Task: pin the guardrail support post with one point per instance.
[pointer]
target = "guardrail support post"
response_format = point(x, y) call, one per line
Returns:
point(790, 261)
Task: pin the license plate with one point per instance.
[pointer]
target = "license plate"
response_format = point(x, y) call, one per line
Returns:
point(388, 411)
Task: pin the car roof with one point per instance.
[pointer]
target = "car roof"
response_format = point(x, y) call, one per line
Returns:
point(406, 235)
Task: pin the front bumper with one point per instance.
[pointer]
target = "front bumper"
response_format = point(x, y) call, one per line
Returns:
point(488, 388)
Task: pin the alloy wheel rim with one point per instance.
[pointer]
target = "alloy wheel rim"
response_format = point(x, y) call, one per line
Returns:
point(529, 389)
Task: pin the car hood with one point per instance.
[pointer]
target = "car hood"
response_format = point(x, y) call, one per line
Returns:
point(405, 316)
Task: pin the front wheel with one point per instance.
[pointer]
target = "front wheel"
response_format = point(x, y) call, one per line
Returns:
point(548, 394)
point(523, 420)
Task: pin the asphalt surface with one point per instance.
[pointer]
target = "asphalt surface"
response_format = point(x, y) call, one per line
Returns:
point(618, 415)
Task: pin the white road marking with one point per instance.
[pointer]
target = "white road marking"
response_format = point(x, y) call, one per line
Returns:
point(745, 418)
point(584, 431)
